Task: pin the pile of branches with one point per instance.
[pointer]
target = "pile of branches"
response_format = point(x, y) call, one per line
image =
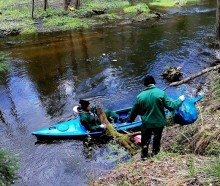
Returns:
point(172, 74)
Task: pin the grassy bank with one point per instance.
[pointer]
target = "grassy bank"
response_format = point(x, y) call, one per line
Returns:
point(171, 3)
point(9, 165)
point(190, 154)
point(15, 16)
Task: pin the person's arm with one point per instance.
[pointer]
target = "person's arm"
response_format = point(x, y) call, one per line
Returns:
point(170, 104)
point(89, 122)
point(134, 112)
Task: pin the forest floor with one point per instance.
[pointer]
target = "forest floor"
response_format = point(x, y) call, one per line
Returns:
point(16, 16)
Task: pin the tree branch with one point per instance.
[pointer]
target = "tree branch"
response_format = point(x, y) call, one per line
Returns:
point(193, 76)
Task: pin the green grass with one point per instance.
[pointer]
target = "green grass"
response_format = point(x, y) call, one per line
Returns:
point(214, 169)
point(141, 7)
point(65, 23)
point(4, 65)
point(191, 165)
point(29, 30)
point(110, 4)
point(16, 15)
point(109, 16)
point(169, 3)
point(8, 168)
point(217, 88)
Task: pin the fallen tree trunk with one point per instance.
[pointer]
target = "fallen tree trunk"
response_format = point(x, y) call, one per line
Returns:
point(193, 76)
point(125, 140)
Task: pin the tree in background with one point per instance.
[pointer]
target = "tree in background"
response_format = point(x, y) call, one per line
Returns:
point(66, 3)
point(8, 168)
point(218, 19)
point(32, 11)
point(45, 5)
point(77, 4)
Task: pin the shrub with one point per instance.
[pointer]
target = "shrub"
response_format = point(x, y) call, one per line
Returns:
point(8, 168)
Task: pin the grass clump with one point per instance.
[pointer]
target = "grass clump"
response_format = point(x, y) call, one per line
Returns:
point(110, 4)
point(59, 23)
point(141, 7)
point(111, 16)
point(29, 30)
point(8, 167)
point(4, 65)
point(214, 169)
point(170, 3)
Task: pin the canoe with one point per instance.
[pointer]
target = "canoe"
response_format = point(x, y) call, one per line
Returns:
point(74, 129)
point(184, 115)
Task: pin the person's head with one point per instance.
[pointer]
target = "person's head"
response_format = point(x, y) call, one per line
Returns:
point(85, 105)
point(149, 80)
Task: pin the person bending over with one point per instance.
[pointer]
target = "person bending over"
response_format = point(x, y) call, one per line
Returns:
point(89, 118)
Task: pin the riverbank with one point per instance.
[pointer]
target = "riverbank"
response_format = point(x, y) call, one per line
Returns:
point(16, 17)
point(190, 154)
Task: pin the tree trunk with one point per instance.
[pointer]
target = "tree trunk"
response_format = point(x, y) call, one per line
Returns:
point(65, 5)
point(218, 19)
point(193, 76)
point(32, 11)
point(124, 139)
point(77, 4)
point(45, 5)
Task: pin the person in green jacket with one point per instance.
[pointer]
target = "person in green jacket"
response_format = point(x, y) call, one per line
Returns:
point(89, 119)
point(150, 105)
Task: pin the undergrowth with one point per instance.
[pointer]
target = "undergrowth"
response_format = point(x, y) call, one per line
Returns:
point(8, 167)
point(4, 65)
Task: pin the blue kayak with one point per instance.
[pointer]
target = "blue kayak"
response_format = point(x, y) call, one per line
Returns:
point(184, 115)
point(74, 129)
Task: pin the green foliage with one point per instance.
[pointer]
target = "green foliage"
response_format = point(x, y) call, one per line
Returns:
point(83, 13)
point(103, 4)
point(4, 66)
point(141, 7)
point(16, 14)
point(8, 167)
point(29, 30)
point(217, 88)
point(169, 3)
point(50, 12)
point(109, 16)
point(191, 165)
point(213, 169)
point(65, 23)
point(213, 148)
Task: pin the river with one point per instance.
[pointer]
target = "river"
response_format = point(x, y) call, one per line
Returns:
point(51, 72)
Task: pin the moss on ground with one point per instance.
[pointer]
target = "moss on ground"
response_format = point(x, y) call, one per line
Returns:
point(15, 16)
point(171, 3)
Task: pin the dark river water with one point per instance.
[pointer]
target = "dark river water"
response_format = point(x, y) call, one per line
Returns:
point(51, 72)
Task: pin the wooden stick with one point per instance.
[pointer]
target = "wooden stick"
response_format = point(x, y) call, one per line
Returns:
point(193, 76)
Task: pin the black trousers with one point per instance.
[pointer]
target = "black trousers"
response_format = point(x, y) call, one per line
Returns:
point(146, 134)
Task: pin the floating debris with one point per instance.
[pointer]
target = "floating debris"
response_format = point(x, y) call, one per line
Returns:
point(172, 73)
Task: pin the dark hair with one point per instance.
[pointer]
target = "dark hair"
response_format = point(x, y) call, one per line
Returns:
point(149, 80)
point(84, 104)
